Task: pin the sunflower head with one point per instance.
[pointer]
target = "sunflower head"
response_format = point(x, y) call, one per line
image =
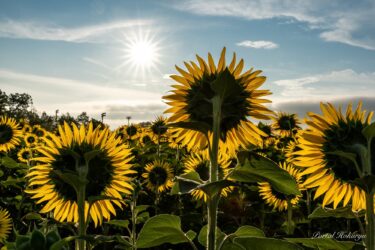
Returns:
point(24, 155)
point(10, 134)
point(191, 101)
point(30, 140)
point(330, 172)
point(158, 175)
point(285, 124)
point(5, 224)
point(107, 171)
point(159, 127)
point(277, 200)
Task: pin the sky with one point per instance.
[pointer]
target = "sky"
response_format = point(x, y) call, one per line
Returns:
point(82, 55)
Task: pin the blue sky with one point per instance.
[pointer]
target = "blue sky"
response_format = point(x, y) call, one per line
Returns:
point(73, 55)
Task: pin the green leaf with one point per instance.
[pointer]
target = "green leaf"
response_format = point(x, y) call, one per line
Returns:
point(244, 231)
point(191, 234)
point(9, 162)
point(142, 217)
point(260, 243)
point(186, 183)
point(196, 126)
point(256, 168)
point(161, 229)
point(369, 131)
point(342, 212)
point(90, 155)
point(140, 209)
point(119, 223)
point(71, 179)
point(202, 237)
point(23, 242)
point(32, 216)
point(214, 188)
point(323, 243)
point(347, 155)
point(51, 238)
point(1, 172)
point(10, 181)
point(63, 242)
point(37, 240)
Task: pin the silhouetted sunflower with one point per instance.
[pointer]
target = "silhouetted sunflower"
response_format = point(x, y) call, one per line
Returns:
point(5, 224)
point(108, 172)
point(191, 101)
point(9, 134)
point(276, 199)
point(330, 173)
point(158, 175)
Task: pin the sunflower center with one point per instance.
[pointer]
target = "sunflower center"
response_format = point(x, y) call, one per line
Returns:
point(30, 139)
point(99, 176)
point(39, 133)
point(25, 155)
point(132, 130)
point(278, 194)
point(234, 106)
point(146, 139)
point(341, 137)
point(6, 133)
point(203, 170)
point(286, 123)
point(158, 176)
point(159, 128)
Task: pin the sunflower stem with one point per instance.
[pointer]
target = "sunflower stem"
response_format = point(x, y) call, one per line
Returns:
point(81, 216)
point(370, 219)
point(213, 202)
point(289, 229)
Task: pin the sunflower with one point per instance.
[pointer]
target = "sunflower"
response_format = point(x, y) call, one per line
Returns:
point(5, 224)
point(276, 199)
point(199, 162)
point(285, 124)
point(158, 176)
point(190, 101)
point(9, 134)
point(24, 155)
point(30, 139)
point(108, 172)
point(330, 173)
point(145, 137)
point(159, 126)
point(27, 128)
point(40, 132)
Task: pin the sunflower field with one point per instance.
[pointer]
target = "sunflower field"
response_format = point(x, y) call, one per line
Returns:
point(218, 170)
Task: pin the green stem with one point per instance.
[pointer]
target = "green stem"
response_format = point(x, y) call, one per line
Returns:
point(81, 195)
point(370, 219)
point(213, 202)
point(290, 221)
point(134, 223)
point(308, 205)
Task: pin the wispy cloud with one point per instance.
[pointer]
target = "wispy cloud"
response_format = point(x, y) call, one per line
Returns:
point(331, 85)
point(338, 21)
point(258, 44)
point(69, 95)
point(51, 32)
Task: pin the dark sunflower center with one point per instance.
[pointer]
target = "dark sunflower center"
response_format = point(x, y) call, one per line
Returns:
point(30, 139)
point(342, 137)
point(286, 123)
point(159, 128)
point(25, 155)
point(278, 194)
point(265, 128)
point(234, 106)
point(132, 130)
point(146, 139)
point(158, 176)
point(100, 171)
point(6, 133)
point(39, 133)
point(203, 170)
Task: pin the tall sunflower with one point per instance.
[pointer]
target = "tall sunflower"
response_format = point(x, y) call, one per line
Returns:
point(108, 172)
point(24, 155)
point(10, 134)
point(30, 140)
point(199, 162)
point(158, 175)
point(327, 171)
point(5, 224)
point(285, 124)
point(276, 199)
point(191, 101)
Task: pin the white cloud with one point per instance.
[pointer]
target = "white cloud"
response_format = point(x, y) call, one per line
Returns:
point(42, 31)
point(332, 85)
point(338, 21)
point(73, 96)
point(258, 44)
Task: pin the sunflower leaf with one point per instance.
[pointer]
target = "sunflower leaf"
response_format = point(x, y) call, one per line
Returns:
point(369, 131)
point(90, 155)
point(202, 237)
point(260, 243)
point(9, 162)
point(186, 183)
point(214, 188)
point(161, 229)
point(323, 243)
point(119, 223)
point(256, 168)
point(193, 125)
point(342, 212)
point(244, 231)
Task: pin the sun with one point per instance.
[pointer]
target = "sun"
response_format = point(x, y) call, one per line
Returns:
point(141, 52)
